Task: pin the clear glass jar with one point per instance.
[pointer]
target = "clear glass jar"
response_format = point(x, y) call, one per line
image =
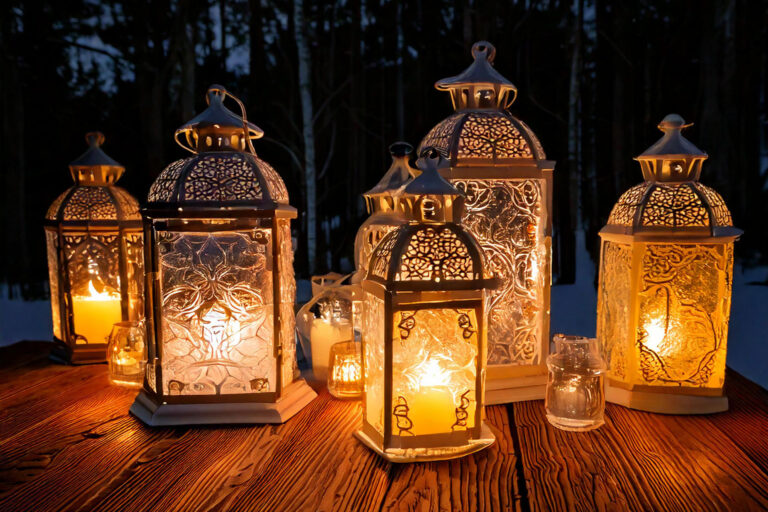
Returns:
point(127, 354)
point(575, 398)
point(345, 372)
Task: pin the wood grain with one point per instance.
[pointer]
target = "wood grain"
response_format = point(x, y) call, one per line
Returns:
point(67, 443)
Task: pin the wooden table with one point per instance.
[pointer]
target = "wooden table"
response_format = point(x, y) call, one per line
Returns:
point(67, 443)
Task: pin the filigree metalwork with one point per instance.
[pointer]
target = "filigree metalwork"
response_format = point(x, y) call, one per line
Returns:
point(164, 187)
point(217, 178)
point(623, 212)
point(275, 185)
point(441, 135)
point(90, 203)
point(506, 218)
point(217, 332)
point(672, 205)
point(382, 255)
point(720, 212)
point(435, 253)
point(491, 135)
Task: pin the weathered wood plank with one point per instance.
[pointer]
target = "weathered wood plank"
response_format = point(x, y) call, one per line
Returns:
point(636, 461)
point(746, 422)
point(315, 465)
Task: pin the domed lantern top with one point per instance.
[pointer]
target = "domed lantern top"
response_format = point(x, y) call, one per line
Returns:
point(225, 170)
point(482, 130)
point(382, 197)
point(94, 198)
point(671, 201)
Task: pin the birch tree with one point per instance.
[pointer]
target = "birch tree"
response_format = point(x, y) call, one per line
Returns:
point(308, 132)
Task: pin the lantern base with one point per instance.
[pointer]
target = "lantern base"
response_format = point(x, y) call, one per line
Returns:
point(665, 403)
point(88, 354)
point(520, 389)
point(432, 453)
point(295, 397)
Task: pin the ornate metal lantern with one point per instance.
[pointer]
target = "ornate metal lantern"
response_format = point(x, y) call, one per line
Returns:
point(500, 166)
point(220, 285)
point(664, 298)
point(424, 334)
point(384, 206)
point(95, 265)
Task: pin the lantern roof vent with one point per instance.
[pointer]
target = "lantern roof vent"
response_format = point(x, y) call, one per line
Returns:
point(480, 85)
point(672, 158)
point(95, 167)
point(217, 128)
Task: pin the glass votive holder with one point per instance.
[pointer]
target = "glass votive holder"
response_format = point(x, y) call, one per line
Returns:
point(126, 354)
point(575, 397)
point(345, 370)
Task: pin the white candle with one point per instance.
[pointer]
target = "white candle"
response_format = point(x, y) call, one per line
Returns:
point(322, 335)
point(95, 314)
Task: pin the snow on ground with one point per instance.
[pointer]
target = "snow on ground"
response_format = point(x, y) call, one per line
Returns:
point(573, 312)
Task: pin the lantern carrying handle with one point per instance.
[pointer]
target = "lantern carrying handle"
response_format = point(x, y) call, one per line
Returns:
point(242, 114)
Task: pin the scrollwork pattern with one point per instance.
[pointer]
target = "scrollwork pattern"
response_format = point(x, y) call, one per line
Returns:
point(505, 217)
point(435, 253)
point(217, 307)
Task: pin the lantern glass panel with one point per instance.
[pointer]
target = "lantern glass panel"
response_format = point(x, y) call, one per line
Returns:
point(217, 321)
point(373, 334)
point(53, 279)
point(507, 218)
point(434, 370)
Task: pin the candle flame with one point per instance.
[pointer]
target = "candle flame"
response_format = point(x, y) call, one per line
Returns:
point(655, 334)
point(431, 374)
point(94, 295)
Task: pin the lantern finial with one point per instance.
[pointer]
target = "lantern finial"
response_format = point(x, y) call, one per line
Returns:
point(400, 173)
point(480, 86)
point(673, 158)
point(217, 128)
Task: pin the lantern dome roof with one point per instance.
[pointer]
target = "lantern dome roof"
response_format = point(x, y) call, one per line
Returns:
point(482, 131)
point(225, 170)
point(94, 198)
point(86, 204)
point(427, 254)
point(653, 205)
point(219, 178)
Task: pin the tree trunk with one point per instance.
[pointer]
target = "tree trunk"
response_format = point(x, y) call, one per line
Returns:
point(308, 132)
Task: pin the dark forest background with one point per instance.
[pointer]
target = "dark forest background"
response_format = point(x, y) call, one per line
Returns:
point(594, 79)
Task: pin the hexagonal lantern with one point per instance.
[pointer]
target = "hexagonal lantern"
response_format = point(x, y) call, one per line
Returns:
point(664, 298)
point(95, 260)
point(220, 284)
point(500, 166)
point(424, 332)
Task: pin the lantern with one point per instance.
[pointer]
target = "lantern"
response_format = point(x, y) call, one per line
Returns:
point(95, 263)
point(500, 166)
point(384, 205)
point(220, 285)
point(424, 332)
point(664, 297)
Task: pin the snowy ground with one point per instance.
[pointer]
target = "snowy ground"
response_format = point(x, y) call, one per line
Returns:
point(573, 312)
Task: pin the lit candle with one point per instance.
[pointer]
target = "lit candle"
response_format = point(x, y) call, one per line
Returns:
point(95, 314)
point(323, 334)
